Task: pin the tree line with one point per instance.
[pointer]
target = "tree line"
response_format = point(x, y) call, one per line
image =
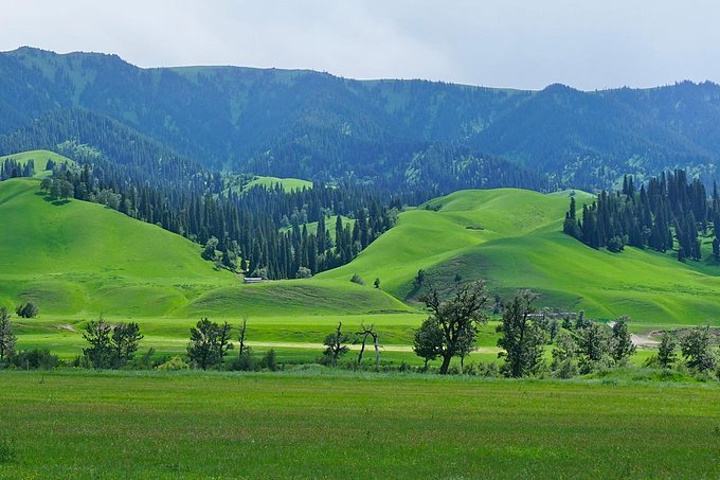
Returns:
point(261, 231)
point(666, 211)
point(578, 345)
point(10, 168)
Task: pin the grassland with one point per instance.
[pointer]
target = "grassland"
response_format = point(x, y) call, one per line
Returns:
point(79, 260)
point(308, 425)
point(39, 158)
point(288, 184)
point(513, 239)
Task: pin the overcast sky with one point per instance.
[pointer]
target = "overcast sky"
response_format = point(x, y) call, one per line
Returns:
point(587, 44)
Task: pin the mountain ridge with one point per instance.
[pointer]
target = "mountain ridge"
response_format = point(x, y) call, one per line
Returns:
point(315, 125)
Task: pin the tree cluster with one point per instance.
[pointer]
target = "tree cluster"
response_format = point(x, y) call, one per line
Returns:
point(10, 168)
point(666, 209)
point(111, 345)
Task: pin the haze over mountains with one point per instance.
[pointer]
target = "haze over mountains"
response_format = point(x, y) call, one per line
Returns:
point(394, 133)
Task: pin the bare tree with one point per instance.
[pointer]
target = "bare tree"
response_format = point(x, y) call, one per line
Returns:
point(364, 333)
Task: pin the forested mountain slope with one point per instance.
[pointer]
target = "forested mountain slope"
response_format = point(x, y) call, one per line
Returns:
point(397, 133)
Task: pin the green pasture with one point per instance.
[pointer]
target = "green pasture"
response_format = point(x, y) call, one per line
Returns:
point(40, 159)
point(310, 424)
point(512, 239)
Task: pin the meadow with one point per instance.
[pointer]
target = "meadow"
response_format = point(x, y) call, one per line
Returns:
point(89, 261)
point(513, 239)
point(309, 424)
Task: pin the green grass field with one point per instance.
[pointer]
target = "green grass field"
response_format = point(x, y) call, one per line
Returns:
point(39, 158)
point(288, 184)
point(513, 239)
point(82, 425)
point(79, 260)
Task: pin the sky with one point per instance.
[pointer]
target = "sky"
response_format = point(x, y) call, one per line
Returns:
point(528, 44)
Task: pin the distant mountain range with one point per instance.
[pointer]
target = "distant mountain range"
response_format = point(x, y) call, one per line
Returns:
point(395, 133)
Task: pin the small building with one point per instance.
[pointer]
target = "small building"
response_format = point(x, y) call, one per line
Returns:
point(252, 279)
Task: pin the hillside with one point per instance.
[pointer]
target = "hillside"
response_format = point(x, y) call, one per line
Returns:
point(39, 158)
point(314, 125)
point(287, 184)
point(513, 239)
point(82, 258)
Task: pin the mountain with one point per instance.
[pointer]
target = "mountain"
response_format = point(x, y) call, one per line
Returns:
point(314, 125)
point(513, 239)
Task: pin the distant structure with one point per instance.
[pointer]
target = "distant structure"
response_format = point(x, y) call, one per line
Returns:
point(252, 280)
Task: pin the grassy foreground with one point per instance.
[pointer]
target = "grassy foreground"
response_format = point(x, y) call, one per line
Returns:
point(78, 425)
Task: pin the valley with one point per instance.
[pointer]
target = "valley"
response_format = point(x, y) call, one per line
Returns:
point(90, 261)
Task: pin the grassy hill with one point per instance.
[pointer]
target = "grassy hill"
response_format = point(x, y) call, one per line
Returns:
point(288, 184)
point(39, 158)
point(512, 239)
point(78, 260)
point(82, 258)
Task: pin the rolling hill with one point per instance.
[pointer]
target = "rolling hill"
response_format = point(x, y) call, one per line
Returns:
point(81, 259)
point(39, 158)
point(513, 239)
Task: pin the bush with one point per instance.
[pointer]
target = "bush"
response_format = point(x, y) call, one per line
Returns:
point(175, 363)
point(269, 360)
point(303, 272)
point(482, 369)
point(616, 244)
point(27, 310)
point(357, 279)
point(565, 369)
point(7, 454)
point(244, 362)
point(145, 362)
point(36, 360)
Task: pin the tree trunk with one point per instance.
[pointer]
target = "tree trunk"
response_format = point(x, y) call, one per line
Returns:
point(362, 351)
point(377, 352)
point(445, 364)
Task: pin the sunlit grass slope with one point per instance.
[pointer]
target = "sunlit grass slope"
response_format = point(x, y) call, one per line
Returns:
point(513, 239)
point(288, 184)
point(78, 257)
point(39, 158)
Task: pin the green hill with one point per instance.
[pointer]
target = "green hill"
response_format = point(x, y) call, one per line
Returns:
point(39, 157)
point(287, 184)
point(82, 258)
point(513, 239)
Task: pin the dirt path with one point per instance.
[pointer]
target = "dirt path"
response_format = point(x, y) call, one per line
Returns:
point(644, 340)
point(319, 346)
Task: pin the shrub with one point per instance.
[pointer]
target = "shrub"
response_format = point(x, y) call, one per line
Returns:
point(616, 244)
point(36, 359)
point(145, 362)
point(269, 360)
point(243, 362)
point(566, 368)
point(303, 272)
point(175, 363)
point(482, 369)
point(357, 279)
point(7, 454)
point(27, 310)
